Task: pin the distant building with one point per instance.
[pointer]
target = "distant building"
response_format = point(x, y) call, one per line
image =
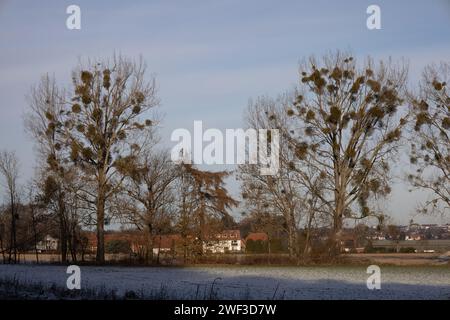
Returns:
point(166, 243)
point(47, 244)
point(413, 236)
point(257, 242)
point(257, 236)
point(225, 241)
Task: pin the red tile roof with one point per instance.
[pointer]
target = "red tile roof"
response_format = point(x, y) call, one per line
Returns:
point(257, 236)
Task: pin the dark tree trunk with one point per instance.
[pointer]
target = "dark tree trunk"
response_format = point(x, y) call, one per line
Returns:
point(336, 236)
point(149, 253)
point(339, 196)
point(292, 237)
point(1, 243)
point(63, 241)
point(35, 236)
point(72, 243)
point(62, 228)
point(159, 250)
point(306, 250)
point(100, 257)
point(13, 238)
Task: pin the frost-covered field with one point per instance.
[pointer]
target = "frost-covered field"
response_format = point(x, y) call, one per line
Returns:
point(244, 282)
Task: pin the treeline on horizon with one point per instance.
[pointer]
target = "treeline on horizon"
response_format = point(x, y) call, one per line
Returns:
point(343, 130)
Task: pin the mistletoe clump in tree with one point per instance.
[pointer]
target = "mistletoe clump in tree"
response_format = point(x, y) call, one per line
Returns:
point(57, 177)
point(102, 126)
point(105, 126)
point(430, 148)
point(344, 129)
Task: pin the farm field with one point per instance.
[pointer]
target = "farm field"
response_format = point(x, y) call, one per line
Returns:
point(231, 282)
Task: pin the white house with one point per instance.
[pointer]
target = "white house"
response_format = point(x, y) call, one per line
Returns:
point(48, 244)
point(226, 241)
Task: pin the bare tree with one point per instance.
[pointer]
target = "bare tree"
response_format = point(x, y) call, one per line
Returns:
point(106, 116)
point(287, 194)
point(33, 207)
point(344, 129)
point(56, 175)
point(9, 169)
point(430, 146)
point(150, 198)
point(101, 123)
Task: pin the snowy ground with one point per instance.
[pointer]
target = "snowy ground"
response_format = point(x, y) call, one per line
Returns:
point(244, 282)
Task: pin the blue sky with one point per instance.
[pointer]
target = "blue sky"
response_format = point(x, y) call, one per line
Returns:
point(209, 57)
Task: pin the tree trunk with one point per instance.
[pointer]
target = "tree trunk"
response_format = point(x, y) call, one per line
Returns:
point(336, 237)
point(203, 234)
point(63, 240)
point(292, 237)
point(13, 240)
point(72, 243)
point(35, 237)
point(149, 253)
point(339, 200)
point(290, 243)
point(100, 257)
point(1, 247)
point(306, 250)
point(159, 250)
point(62, 227)
point(339, 196)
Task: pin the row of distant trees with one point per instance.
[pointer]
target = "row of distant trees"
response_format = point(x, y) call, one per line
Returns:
point(100, 160)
